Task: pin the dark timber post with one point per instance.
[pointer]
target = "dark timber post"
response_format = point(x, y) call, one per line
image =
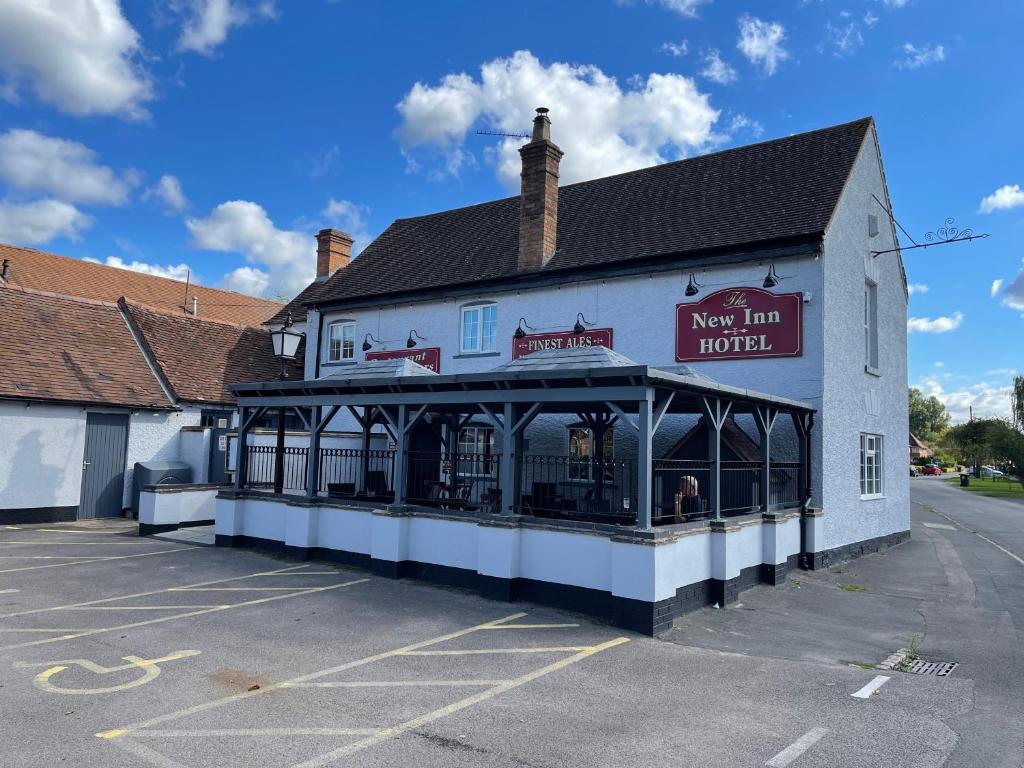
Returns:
point(765, 418)
point(242, 458)
point(313, 458)
point(644, 459)
point(279, 452)
point(401, 456)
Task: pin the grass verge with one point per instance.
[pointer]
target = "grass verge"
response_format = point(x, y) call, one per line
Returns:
point(986, 486)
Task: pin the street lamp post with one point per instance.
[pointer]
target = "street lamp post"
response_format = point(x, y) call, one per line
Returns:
point(286, 343)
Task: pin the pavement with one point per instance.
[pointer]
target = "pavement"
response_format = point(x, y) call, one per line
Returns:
point(117, 650)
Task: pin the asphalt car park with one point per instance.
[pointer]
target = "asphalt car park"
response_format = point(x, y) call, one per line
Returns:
point(121, 651)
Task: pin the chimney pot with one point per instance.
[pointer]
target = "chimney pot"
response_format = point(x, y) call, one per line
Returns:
point(333, 252)
point(538, 202)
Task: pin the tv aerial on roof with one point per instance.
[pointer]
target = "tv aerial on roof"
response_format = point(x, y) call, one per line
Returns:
point(503, 133)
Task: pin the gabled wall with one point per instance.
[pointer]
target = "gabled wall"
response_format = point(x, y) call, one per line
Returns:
point(856, 400)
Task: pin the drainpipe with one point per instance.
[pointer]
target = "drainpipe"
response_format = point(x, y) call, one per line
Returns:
point(806, 558)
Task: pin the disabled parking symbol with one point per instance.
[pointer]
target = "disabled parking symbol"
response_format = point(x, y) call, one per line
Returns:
point(150, 669)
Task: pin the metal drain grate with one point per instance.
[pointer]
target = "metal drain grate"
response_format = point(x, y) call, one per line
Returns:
point(936, 668)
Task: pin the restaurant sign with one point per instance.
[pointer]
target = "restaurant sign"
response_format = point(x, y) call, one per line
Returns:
point(740, 323)
point(428, 357)
point(534, 342)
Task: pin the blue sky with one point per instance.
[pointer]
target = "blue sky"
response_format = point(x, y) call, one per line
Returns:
point(219, 135)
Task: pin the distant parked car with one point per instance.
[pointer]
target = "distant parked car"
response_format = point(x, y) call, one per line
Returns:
point(931, 469)
point(914, 471)
point(991, 472)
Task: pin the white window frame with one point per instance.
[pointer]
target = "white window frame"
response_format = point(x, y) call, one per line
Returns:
point(476, 313)
point(872, 463)
point(871, 326)
point(347, 334)
point(479, 437)
point(573, 471)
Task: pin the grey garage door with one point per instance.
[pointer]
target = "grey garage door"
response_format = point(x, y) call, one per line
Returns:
point(106, 440)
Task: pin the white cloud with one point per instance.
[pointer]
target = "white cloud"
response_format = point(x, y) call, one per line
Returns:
point(686, 8)
point(324, 161)
point(1003, 199)
point(602, 128)
point(915, 288)
point(761, 42)
point(168, 193)
point(914, 57)
point(941, 324)
point(173, 271)
point(895, 3)
point(675, 49)
point(845, 38)
point(939, 364)
point(32, 162)
point(241, 226)
point(1013, 293)
point(247, 280)
point(870, 19)
point(716, 70)
point(82, 57)
point(349, 217)
point(40, 221)
point(208, 22)
point(985, 399)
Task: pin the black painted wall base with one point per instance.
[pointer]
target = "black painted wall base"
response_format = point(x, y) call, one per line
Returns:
point(637, 615)
point(148, 529)
point(29, 515)
point(816, 561)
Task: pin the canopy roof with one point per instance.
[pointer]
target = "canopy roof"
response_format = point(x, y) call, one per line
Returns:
point(554, 377)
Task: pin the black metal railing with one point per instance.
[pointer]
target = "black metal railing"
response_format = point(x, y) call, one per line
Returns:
point(352, 473)
point(679, 490)
point(592, 489)
point(261, 462)
point(785, 485)
point(741, 487)
point(464, 481)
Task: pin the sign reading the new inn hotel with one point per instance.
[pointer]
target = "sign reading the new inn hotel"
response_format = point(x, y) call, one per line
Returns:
point(428, 357)
point(594, 337)
point(740, 323)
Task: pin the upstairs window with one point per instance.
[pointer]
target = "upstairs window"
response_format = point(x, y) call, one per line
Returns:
point(870, 466)
point(341, 342)
point(479, 331)
point(581, 448)
point(871, 325)
point(476, 451)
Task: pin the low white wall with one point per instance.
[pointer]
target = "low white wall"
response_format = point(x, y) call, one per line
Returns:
point(640, 570)
point(177, 504)
point(41, 450)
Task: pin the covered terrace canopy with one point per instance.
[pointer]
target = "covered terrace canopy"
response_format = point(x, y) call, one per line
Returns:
point(597, 385)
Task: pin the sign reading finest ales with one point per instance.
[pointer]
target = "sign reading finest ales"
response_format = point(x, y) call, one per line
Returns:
point(740, 323)
point(595, 337)
point(428, 357)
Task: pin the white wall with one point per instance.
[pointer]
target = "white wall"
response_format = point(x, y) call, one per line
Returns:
point(174, 507)
point(194, 450)
point(155, 436)
point(41, 450)
point(856, 401)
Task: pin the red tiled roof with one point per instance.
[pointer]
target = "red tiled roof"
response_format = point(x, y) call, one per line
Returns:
point(58, 348)
point(41, 271)
point(200, 358)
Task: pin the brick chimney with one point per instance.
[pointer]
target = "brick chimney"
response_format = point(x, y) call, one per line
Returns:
point(333, 252)
point(538, 202)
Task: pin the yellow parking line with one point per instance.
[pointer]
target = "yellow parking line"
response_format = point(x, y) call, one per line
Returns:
point(235, 589)
point(532, 626)
point(20, 629)
point(155, 733)
point(143, 607)
point(117, 733)
point(189, 614)
point(395, 684)
point(99, 559)
point(485, 651)
point(454, 707)
point(145, 594)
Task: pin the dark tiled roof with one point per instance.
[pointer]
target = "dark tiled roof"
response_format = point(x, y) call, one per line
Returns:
point(379, 369)
point(774, 191)
point(71, 350)
point(41, 271)
point(200, 358)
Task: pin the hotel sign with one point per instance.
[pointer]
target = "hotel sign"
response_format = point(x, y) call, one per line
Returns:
point(428, 357)
point(740, 323)
point(534, 342)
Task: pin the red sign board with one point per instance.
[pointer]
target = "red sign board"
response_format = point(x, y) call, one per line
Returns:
point(534, 342)
point(740, 323)
point(428, 357)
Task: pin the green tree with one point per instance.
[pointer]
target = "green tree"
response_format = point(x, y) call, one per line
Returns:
point(928, 417)
point(1006, 444)
point(971, 441)
point(1017, 401)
